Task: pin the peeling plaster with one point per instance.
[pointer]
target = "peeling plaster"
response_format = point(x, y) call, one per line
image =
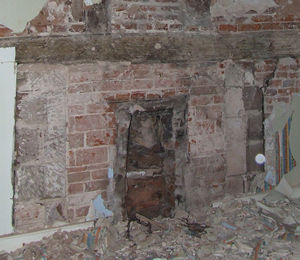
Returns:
point(233, 8)
point(15, 14)
point(98, 210)
point(277, 121)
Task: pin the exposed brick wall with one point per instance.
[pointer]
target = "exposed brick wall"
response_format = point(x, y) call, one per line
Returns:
point(91, 125)
point(224, 100)
point(87, 109)
point(282, 15)
point(280, 79)
point(64, 17)
point(61, 17)
point(150, 16)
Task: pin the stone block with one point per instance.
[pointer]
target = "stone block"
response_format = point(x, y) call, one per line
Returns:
point(255, 126)
point(252, 151)
point(54, 179)
point(252, 98)
point(234, 184)
point(27, 144)
point(29, 216)
point(31, 109)
point(236, 160)
point(234, 76)
point(234, 105)
point(235, 131)
point(54, 145)
point(40, 182)
point(91, 156)
point(56, 210)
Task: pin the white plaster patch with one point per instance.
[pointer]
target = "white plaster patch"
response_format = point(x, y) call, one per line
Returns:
point(232, 8)
point(15, 14)
point(92, 2)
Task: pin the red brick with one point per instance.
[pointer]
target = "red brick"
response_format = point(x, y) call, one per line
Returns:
point(77, 28)
point(271, 92)
point(268, 100)
point(276, 83)
point(270, 62)
point(78, 177)
point(227, 28)
point(91, 156)
point(96, 185)
point(201, 100)
point(204, 90)
point(71, 158)
point(281, 74)
point(120, 8)
point(96, 108)
point(168, 93)
point(153, 96)
point(137, 95)
point(145, 26)
point(161, 26)
point(101, 137)
point(272, 26)
point(82, 212)
point(75, 188)
point(283, 67)
point(147, 8)
point(249, 27)
point(75, 140)
point(176, 26)
point(88, 122)
point(116, 85)
point(83, 88)
point(169, 8)
point(291, 26)
point(141, 84)
point(87, 74)
point(111, 120)
point(287, 18)
point(76, 169)
point(115, 26)
point(109, 97)
point(285, 91)
point(283, 99)
point(262, 18)
point(161, 83)
point(130, 26)
point(99, 174)
point(218, 99)
point(192, 28)
point(122, 96)
point(97, 166)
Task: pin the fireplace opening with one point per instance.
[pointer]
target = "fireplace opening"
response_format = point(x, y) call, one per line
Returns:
point(151, 156)
point(150, 177)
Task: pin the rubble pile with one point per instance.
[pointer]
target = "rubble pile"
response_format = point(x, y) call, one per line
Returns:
point(247, 227)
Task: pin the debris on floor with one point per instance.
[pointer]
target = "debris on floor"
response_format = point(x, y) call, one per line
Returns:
point(245, 227)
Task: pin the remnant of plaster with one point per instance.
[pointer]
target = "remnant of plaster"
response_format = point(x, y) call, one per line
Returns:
point(275, 123)
point(97, 209)
point(15, 14)
point(229, 9)
point(92, 2)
